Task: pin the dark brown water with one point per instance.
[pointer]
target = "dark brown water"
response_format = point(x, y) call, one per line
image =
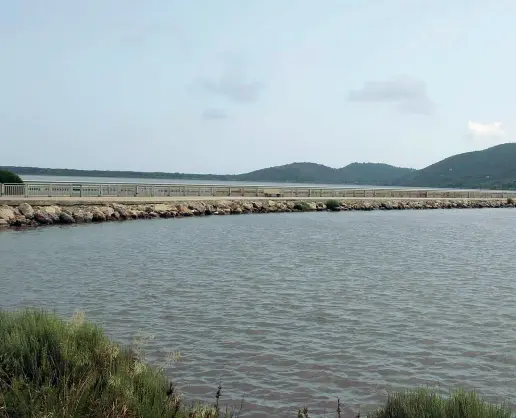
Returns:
point(291, 309)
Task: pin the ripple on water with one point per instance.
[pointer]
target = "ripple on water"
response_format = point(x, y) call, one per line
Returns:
point(289, 310)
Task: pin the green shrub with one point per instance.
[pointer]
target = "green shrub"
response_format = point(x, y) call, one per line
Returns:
point(427, 404)
point(332, 204)
point(510, 201)
point(49, 367)
point(302, 207)
point(9, 177)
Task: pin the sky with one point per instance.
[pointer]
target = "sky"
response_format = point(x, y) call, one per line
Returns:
point(231, 86)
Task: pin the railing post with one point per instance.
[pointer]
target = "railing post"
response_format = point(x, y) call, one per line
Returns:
point(2, 189)
point(213, 191)
point(229, 192)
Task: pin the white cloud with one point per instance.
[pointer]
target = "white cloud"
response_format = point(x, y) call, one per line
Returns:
point(493, 129)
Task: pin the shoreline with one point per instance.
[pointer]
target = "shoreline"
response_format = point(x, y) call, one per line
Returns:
point(21, 214)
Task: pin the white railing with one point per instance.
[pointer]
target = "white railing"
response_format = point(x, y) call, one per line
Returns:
point(78, 190)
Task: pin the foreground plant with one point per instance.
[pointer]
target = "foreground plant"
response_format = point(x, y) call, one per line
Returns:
point(53, 368)
point(424, 403)
point(332, 204)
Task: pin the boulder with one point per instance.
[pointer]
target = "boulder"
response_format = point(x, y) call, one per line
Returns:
point(184, 211)
point(209, 210)
point(237, 211)
point(20, 220)
point(161, 208)
point(122, 210)
point(257, 206)
point(66, 218)
point(197, 208)
point(281, 207)
point(78, 215)
point(52, 211)
point(3, 223)
point(312, 205)
point(88, 216)
point(26, 210)
point(367, 206)
point(43, 218)
point(97, 215)
point(107, 211)
point(129, 214)
point(7, 213)
point(139, 214)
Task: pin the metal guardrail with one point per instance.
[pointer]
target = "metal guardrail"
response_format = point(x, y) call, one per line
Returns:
point(78, 190)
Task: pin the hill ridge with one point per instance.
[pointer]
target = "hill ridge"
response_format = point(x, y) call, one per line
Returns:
point(493, 167)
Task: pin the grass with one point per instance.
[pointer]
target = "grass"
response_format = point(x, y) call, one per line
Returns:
point(332, 204)
point(55, 368)
point(52, 368)
point(427, 404)
point(302, 207)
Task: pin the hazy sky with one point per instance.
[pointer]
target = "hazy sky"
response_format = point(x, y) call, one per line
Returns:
point(230, 86)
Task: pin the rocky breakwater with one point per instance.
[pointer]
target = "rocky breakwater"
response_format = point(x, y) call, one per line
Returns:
point(25, 215)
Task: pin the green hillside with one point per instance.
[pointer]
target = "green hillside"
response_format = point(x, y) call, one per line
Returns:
point(371, 173)
point(293, 173)
point(492, 168)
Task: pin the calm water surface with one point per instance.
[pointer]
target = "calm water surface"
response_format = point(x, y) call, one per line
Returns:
point(177, 181)
point(291, 309)
point(105, 180)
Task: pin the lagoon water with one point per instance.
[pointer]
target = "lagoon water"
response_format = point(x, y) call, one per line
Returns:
point(105, 180)
point(288, 310)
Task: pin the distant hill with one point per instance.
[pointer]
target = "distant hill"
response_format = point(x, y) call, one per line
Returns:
point(377, 174)
point(356, 173)
point(292, 173)
point(492, 168)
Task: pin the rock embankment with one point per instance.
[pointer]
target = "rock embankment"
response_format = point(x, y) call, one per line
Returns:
point(26, 215)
